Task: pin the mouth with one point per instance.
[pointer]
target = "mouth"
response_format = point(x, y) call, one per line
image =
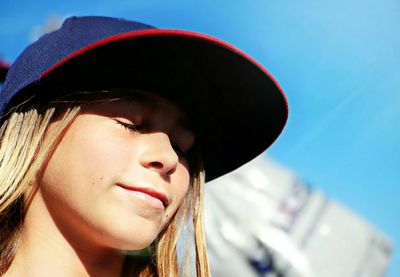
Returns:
point(147, 194)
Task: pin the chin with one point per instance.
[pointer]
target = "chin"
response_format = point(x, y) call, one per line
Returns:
point(137, 242)
point(136, 246)
point(132, 239)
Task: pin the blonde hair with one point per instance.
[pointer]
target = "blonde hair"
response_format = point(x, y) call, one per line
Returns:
point(24, 151)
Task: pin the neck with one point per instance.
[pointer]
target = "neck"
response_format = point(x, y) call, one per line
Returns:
point(44, 250)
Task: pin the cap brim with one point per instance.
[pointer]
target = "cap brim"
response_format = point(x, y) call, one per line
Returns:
point(238, 107)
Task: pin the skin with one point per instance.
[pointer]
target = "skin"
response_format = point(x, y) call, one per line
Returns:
point(96, 194)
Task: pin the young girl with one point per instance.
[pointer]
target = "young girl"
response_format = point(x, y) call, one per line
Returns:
point(109, 129)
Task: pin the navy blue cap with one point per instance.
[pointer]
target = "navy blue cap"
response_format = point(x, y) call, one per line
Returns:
point(238, 107)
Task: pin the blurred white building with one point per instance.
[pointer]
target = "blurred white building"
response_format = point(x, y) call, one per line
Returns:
point(262, 221)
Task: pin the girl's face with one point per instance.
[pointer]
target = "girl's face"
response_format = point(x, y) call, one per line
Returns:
point(119, 173)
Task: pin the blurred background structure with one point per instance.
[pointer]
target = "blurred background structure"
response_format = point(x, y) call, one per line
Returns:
point(339, 64)
point(263, 221)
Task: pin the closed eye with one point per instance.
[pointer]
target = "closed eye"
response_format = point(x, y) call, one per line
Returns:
point(178, 150)
point(129, 126)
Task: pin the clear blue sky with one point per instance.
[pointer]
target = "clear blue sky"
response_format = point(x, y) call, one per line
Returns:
point(338, 61)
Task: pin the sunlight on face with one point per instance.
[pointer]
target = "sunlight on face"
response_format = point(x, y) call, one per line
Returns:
point(119, 173)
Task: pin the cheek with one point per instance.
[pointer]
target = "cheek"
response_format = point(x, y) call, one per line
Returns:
point(85, 156)
point(101, 155)
point(95, 151)
point(180, 186)
point(183, 185)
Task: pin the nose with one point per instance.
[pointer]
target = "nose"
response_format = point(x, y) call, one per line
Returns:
point(159, 155)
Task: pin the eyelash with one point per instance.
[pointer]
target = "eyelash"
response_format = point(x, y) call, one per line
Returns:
point(129, 126)
point(179, 151)
point(134, 128)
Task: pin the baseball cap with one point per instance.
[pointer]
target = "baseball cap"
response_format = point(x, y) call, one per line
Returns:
point(238, 107)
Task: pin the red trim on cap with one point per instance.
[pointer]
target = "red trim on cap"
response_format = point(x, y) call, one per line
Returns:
point(4, 65)
point(162, 32)
point(173, 33)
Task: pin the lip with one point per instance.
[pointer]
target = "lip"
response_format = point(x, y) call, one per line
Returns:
point(149, 191)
